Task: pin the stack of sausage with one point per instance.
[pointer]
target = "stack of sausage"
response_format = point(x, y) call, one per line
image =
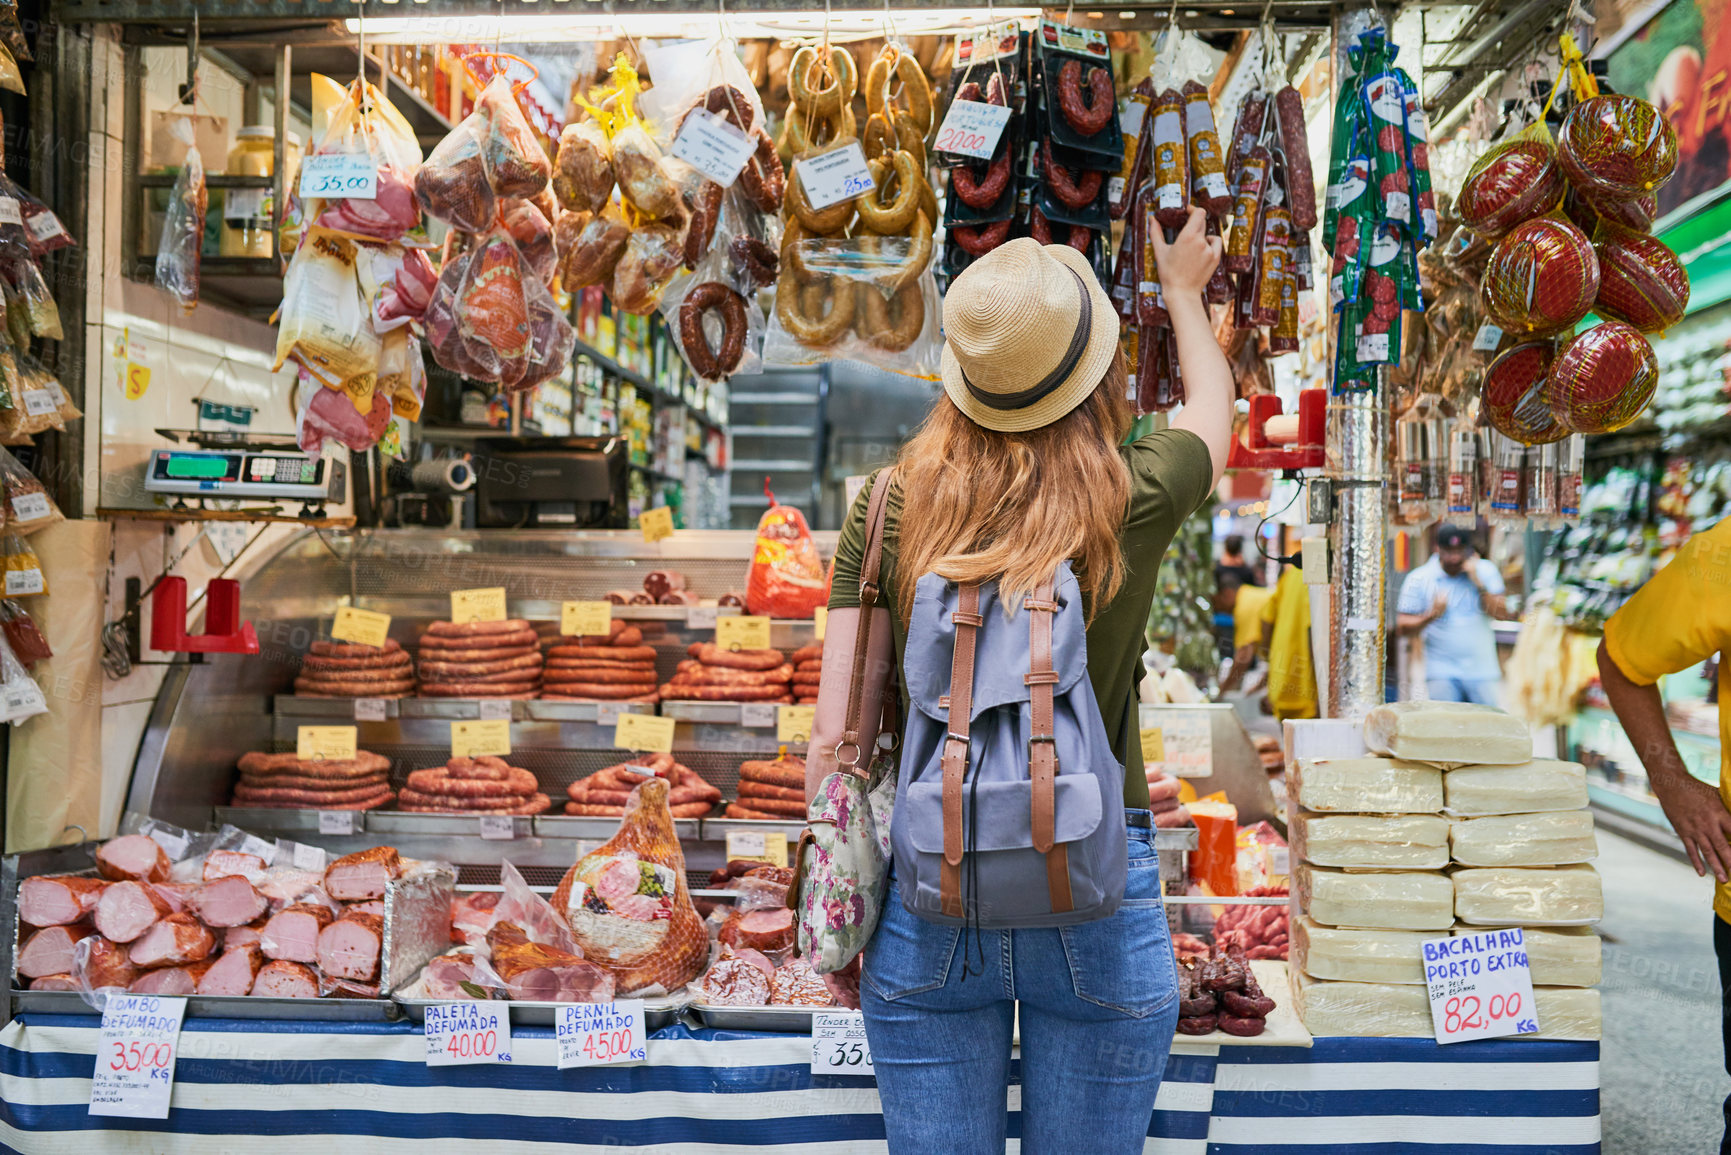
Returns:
point(288, 782)
point(604, 793)
point(807, 670)
point(484, 785)
point(613, 667)
point(771, 790)
point(480, 660)
point(282, 933)
point(716, 675)
point(341, 670)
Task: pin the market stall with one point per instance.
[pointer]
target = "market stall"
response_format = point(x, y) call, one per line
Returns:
point(555, 326)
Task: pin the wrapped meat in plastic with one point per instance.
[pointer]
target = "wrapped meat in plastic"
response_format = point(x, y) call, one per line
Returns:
point(1560, 956)
point(327, 414)
point(1363, 1010)
point(642, 174)
point(787, 578)
point(1347, 954)
point(1515, 394)
point(1616, 147)
point(1603, 379)
point(182, 239)
point(385, 217)
point(1447, 734)
point(1394, 900)
point(533, 232)
point(550, 338)
point(1532, 787)
point(514, 161)
point(405, 278)
point(1512, 182)
point(1554, 839)
point(326, 319)
point(1366, 786)
point(591, 248)
point(1529, 896)
point(627, 902)
point(583, 168)
point(452, 184)
point(1405, 841)
point(1641, 281)
point(652, 257)
point(1541, 279)
point(478, 319)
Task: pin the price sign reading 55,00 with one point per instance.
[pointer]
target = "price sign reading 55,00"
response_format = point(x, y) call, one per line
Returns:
point(134, 1074)
point(838, 1044)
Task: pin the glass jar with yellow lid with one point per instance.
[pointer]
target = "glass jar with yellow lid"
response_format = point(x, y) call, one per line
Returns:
point(248, 213)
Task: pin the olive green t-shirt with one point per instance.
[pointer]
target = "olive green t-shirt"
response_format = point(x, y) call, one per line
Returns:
point(1170, 476)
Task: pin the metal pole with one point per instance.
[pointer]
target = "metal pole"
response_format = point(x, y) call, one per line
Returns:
point(1358, 535)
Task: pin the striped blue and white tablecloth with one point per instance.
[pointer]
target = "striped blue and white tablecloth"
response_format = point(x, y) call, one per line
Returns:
point(1407, 1097)
point(319, 1088)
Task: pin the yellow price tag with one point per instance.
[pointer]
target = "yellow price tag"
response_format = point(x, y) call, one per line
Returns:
point(656, 523)
point(820, 622)
point(1153, 745)
point(586, 619)
point(484, 736)
point(362, 627)
point(761, 845)
point(137, 380)
point(325, 743)
point(484, 605)
point(793, 723)
point(644, 732)
point(744, 632)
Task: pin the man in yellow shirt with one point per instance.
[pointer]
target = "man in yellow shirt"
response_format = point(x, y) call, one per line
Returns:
point(1286, 634)
point(1679, 619)
point(1244, 602)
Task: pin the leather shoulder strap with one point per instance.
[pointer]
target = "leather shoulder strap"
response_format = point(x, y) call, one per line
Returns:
point(870, 565)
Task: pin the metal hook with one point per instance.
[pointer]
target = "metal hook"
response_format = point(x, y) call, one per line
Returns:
point(189, 90)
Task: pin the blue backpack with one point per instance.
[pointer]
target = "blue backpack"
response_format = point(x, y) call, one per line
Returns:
point(1009, 810)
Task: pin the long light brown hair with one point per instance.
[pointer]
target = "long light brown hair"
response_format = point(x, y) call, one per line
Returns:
point(978, 504)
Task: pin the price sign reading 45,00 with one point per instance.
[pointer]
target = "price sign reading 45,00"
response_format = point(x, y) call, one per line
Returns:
point(593, 1034)
point(134, 1074)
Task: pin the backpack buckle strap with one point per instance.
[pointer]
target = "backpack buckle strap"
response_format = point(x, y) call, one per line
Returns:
point(1042, 746)
point(955, 756)
point(1058, 878)
point(1039, 605)
point(1042, 678)
point(964, 618)
point(1043, 769)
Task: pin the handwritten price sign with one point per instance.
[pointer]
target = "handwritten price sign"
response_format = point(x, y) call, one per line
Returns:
point(135, 1056)
point(594, 1034)
point(1480, 985)
point(332, 175)
point(838, 1044)
point(972, 128)
point(461, 1033)
point(838, 175)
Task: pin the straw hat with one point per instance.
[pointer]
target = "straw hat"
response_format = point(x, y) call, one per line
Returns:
point(1030, 332)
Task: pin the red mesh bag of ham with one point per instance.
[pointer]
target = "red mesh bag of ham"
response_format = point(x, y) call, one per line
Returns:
point(1541, 278)
point(1602, 379)
point(1641, 281)
point(1616, 147)
point(1514, 396)
point(1513, 182)
point(787, 577)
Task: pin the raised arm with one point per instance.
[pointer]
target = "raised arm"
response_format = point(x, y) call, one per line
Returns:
point(1185, 266)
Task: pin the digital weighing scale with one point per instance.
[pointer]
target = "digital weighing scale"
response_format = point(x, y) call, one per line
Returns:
point(240, 473)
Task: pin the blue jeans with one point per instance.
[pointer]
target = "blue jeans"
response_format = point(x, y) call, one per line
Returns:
point(1481, 691)
point(1099, 1003)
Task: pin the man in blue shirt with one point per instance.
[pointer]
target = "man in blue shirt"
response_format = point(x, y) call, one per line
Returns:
point(1452, 598)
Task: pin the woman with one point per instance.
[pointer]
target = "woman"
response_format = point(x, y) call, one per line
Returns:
point(1019, 467)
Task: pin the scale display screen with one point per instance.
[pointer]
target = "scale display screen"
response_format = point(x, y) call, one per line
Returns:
point(200, 466)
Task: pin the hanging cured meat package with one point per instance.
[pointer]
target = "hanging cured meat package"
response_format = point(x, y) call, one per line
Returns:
point(627, 902)
point(1542, 278)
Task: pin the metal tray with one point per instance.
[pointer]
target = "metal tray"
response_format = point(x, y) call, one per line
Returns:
point(230, 1007)
point(657, 1013)
point(786, 1020)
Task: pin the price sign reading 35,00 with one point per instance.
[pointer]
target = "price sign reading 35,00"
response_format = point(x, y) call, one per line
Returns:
point(838, 1044)
point(134, 1074)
